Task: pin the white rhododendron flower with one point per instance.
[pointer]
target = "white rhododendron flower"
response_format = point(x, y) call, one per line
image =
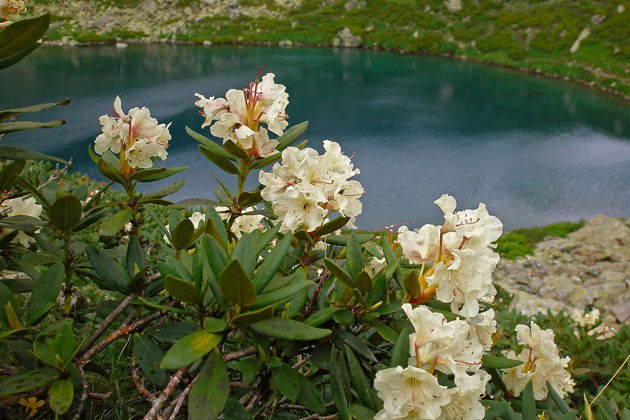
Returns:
point(307, 187)
point(420, 246)
point(465, 404)
point(21, 207)
point(245, 223)
point(136, 136)
point(588, 319)
point(11, 9)
point(483, 327)
point(238, 116)
point(542, 364)
point(409, 393)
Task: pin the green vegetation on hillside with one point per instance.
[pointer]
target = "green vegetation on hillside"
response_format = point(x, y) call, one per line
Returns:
point(533, 35)
point(521, 242)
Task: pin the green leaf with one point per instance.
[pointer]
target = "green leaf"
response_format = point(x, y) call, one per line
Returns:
point(342, 240)
point(17, 383)
point(309, 396)
point(183, 235)
point(64, 343)
point(218, 160)
point(11, 127)
point(249, 198)
point(149, 354)
point(17, 153)
point(45, 293)
point(338, 272)
point(400, 353)
point(354, 256)
point(287, 380)
point(323, 315)
point(110, 172)
point(135, 256)
point(113, 224)
point(529, 403)
point(110, 275)
point(189, 349)
point(8, 113)
point(158, 173)
point(411, 283)
point(291, 135)
point(9, 61)
point(21, 35)
point(60, 396)
point(271, 263)
point(235, 150)
point(244, 253)
point(278, 296)
point(170, 332)
point(363, 282)
point(210, 392)
point(357, 345)
point(360, 412)
point(261, 163)
point(235, 411)
point(9, 174)
point(209, 144)
point(337, 387)
point(182, 290)
point(385, 331)
point(159, 194)
point(236, 285)
point(289, 329)
point(332, 226)
point(360, 382)
point(498, 362)
point(558, 401)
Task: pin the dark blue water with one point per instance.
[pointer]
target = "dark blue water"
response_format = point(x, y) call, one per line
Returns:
point(535, 150)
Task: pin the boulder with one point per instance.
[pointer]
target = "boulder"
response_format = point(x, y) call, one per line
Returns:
point(581, 37)
point(348, 39)
point(453, 6)
point(149, 6)
point(597, 19)
point(285, 43)
point(354, 4)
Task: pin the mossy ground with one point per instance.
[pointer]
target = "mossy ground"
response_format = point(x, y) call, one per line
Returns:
point(521, 242)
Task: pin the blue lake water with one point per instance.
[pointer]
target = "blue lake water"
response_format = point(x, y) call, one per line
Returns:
point(535, 150)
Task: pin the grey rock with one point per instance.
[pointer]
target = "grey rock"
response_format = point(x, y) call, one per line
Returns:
point(285, 43)
point(621, 311)
point(453, 5)
point(354, 4)
point(581, 37)
point(149, 6)
point(348, 39)
point(336, 42)
point(597, 19)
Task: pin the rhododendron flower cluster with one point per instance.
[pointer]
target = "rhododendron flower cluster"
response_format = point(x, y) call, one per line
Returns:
point(22, 206)
point(453, 348)
point(542, 364)
point(240, 114)
point(11, 9)
point(462, 254)
point(136, 137)
point(307, 187)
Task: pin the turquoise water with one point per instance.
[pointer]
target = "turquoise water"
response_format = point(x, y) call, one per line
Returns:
point(535, 150)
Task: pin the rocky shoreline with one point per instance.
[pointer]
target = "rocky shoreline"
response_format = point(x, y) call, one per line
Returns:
point(590, 268)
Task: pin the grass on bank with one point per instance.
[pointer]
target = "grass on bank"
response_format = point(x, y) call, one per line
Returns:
point(521, 242)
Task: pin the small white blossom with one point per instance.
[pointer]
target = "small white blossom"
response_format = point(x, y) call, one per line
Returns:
point(21, 207)
point(465, 404)
point(421, 245)
point(410, 394)
point(196, 218)
point(11, 9)
point(542, 364)
point(484, 326)
point(245, 223)
point(588, 319)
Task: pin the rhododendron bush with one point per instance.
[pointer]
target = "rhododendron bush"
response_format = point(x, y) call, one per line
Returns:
point(257, 303)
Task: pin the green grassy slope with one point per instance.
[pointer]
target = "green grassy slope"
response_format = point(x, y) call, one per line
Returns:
point(534, 35)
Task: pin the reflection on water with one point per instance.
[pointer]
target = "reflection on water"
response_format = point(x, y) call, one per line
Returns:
point(535, 150)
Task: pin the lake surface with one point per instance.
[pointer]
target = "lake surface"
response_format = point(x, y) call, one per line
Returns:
point(535, 150)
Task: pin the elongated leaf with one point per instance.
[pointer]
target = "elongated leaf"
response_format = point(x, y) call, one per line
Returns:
point(113, 224)
point(24, 382)
point(235, 411)
point(244, 253)
point(357, 345)
point(360, 382)
point(337, 387)
point(9, 174)
point(309, 396)
point(385, 331)
point(110, 275)
point(11, 127)
point(261, 163)
point(209, 144)
point(171, 189)
point(45, 293)
point(323, 315)
point(189, 349)
point(211, 390)
point(60, 396)
point(289, 329)
point(149, 354)
point(291, 135)
point(400, 353)
point(22, 34)
point(332, 226)
point(7, 113)
point(135, 256)
point(253, 316)
point(271, 263)
point(17, 153)
point(338, 272)
point(557, 399)
point(9, 61)
point(182, 290)
point(287, 380)
point(235, 150)
point(236, 285)
point(183, 235)
point(278, 296)
point(529, 403)
point(218, 160)
point(342, 240)
point(498, 362)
